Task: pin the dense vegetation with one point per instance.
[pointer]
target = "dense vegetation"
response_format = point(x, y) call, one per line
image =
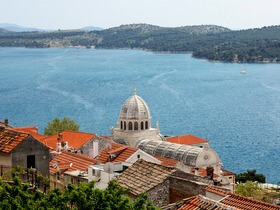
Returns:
point(253, 190)
point(250, 175)
point(205, 41)
point(84, 196)
point(59, 125)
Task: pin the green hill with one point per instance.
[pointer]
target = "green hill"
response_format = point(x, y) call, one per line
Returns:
point(204, 41)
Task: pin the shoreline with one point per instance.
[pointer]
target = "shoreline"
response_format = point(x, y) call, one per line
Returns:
point(152, 51)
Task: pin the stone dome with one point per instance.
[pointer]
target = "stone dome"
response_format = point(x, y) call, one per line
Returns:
point(135, 108)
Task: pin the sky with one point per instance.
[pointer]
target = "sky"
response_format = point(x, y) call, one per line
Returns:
point(70, 14)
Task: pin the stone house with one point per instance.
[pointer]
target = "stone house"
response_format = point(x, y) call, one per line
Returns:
point(20, 148)
point(68, 167)
point(164, 185)
point(81, 142)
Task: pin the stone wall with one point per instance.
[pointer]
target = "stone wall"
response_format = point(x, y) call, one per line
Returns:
point(187, 186)
point(5, 159)
point(159, 195)
point(32, 146)
point(192, 177)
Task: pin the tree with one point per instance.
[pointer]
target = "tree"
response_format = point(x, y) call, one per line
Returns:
point(83, 196)
point(250, 175)
point(58, 125)
point(253, 190)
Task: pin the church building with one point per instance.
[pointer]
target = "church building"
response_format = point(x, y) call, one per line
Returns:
point(134, 128)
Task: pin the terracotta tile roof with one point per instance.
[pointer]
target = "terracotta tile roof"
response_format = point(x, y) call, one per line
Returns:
point(186, 139)
point(33, 131)
point(197, 202)
point(202, 172)
point(75, 139)
point(241, 202)
point(121, 152)
point(68, 161)
point(10, 139)
point(142, 176)
point(166, 161)
point(216, 190)
point(201, 202)
point(227, 173)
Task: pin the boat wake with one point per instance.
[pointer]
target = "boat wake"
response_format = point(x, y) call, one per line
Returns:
point(45, 85)
point(155, 78)
point(270, 87)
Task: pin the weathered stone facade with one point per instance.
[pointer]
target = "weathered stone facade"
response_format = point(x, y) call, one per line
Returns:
point(28, 147)
point(159, 195)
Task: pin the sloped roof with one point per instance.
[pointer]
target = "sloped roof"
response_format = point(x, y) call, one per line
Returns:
point(186, 139)
point(69, 161)
point(202, 172)
point(142, 176)
point(121, 153)
point(75, 139)
point(227, 173)
point(10, 139)
point(166, 161)
point(33, 131)
point(197, 202)
point(241, 202)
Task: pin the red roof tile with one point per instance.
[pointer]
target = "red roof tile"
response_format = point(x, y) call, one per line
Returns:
point(186, 139)
point(203, 203)
point(75, 139)
point(122, 153)
point(33, 131)
point(202, 172)
point(241, 202)
point(68, 161)
point(10, 139)
point(166, 161)
point(227, 173)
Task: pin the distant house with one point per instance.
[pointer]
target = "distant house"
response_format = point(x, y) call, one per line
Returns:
point(21, 148)
point(81, 142)
point(121, 153)
point(69, 167)
point(189, 140)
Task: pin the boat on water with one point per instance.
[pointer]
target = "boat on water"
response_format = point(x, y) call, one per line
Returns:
point(243, 72)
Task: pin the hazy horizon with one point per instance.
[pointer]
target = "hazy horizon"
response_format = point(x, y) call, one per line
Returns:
point(71, 14)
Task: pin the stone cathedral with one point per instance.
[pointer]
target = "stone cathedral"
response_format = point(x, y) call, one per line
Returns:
point(134, 128)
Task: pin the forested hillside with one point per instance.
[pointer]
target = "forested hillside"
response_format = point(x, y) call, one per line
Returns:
point(206, 41)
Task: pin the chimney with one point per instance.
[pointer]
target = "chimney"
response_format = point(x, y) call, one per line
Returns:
point(196, 171)
point(59, 137)
point(95, 149)
point(6, 122)
point(210, 172)
point(58, 144)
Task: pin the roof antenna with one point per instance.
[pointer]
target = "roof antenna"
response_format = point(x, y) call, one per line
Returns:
point(134, 91)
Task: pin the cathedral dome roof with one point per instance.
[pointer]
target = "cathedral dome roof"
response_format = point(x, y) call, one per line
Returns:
point(135, 108)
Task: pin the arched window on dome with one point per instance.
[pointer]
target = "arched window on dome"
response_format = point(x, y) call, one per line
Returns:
point(130, 126)
point(124, 125)
point(146, 125)
point(142, 125)
point(136, 126)
point(121, 125)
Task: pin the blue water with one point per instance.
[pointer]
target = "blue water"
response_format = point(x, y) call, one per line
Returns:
point(238, 113)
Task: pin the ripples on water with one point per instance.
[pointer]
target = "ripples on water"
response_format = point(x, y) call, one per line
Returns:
point(238, 113)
